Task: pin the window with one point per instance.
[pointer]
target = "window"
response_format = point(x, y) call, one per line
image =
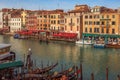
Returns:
point(71, 28)
point(102, 30)
point(97, 23)
point(65, 27)
point(94, 30)
point(85, 29)
point(113, 31)
point(90, 17)
point(97, 16)
point(90, 22)
point(51, 16)
point(77, 28)
point(107, 16)
point(86, 17)
point(102, 16)
point(94, 23)
point(77, 20)
point(91, 30)
point(107, 30)
point(113, 16)
point(102, 23)
point(58, 16)
point(86, 22)
point(97, 30)
point(65, 20)
point(94, 16)
point(71, 20)
point(54, 22)
point(58, 22)
point(113, 22)
point(54, 16)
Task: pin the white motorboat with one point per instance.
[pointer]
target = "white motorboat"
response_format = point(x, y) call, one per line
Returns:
point(84, 42)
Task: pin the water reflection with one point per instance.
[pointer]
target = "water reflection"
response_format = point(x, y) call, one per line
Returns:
point(94, 60)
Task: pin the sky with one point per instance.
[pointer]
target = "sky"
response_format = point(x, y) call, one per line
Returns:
point(56, 4)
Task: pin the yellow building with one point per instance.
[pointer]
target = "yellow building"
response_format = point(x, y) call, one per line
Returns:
point(73, 20)
point(101, 20)
point(55, 19)
point(23, 18)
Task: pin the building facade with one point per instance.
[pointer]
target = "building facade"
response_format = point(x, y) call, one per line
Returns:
point(74, 20)
point(101, 20)
point(55, 18)
point(23, 18)
point(1, 19)
point(43, 18)
point(31, 21)
point(15, 21)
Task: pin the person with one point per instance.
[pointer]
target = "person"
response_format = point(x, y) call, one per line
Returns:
point(64, 77)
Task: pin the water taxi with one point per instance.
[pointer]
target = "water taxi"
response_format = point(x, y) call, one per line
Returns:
point(84, 42)
point(5, 53)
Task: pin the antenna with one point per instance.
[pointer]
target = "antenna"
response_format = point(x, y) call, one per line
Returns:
point(58, 4)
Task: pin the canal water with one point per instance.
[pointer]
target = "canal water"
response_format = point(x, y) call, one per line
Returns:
point(69, 54)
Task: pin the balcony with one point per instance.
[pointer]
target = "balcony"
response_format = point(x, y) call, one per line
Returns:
point(103, 19)
point(105, 26)
point(71, 24)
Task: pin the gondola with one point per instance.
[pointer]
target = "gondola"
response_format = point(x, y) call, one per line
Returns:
point(69, 72)
point(44, 70)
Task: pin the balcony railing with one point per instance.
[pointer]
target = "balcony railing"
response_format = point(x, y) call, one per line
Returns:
point(71, 24)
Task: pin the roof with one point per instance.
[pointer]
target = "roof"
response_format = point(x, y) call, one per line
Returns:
point(11, 64)
point(4, 46)
point(3, 56)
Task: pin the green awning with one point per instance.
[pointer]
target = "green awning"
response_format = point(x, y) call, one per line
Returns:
point(101, 35)
point(11, 64)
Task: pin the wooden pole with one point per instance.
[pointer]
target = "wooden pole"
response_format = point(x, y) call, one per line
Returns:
point(81, 77)
point(77, 71)
point(106, 73)
point(118, 77)
point(92, 76)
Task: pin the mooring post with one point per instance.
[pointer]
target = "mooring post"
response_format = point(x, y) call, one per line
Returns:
point(106, 73)
point(118, 77)
point(81, 77)
point(92, 76)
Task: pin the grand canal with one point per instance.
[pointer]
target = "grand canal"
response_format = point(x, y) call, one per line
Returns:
point(67, 54)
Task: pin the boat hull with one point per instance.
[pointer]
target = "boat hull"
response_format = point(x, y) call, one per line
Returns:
point(99, 45)
point(117, 46)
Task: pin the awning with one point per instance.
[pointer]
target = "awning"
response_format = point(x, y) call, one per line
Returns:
point(11, 64)
point(65, 35)
point(101, 35)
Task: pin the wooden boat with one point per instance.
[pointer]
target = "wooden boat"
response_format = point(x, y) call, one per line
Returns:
point(5, 54)
point(44, 70)
point(117, 46)
point(10, 56)
point(60, 74)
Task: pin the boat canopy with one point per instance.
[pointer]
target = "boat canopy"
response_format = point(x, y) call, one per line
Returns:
point(4, 46)
point(11, 65)
point(102, 35)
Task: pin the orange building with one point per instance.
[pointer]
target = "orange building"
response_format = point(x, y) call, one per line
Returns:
point(43, 18)
point(74, 19)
